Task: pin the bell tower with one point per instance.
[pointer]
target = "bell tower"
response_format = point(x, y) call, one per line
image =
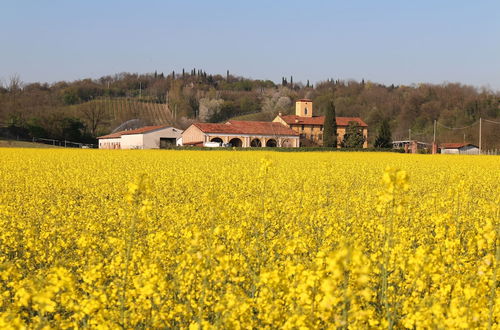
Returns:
point(304, 108)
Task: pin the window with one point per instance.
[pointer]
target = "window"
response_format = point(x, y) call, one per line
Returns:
point(305, 111)
point(320, 136)
point(302, 127)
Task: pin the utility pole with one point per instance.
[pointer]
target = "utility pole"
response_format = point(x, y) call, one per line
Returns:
point(434, 145)
point(480, 128)
point(409, 134)
point(435, 122)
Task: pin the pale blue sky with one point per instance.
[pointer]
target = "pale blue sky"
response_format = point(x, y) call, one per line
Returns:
point(396, 41)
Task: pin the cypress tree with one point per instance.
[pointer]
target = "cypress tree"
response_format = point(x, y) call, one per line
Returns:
point(384, 137)
point(307, 83)
point(330, 127)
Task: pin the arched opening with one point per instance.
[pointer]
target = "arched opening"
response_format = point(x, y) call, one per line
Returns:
point(287, 143)
point(256, 143)
point(216, 139)
point(271, 143)
point(236, 142)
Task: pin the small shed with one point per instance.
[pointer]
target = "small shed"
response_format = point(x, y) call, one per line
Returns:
point(459, 149)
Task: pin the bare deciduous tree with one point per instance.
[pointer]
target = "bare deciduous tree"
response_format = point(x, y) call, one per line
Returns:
point(95, 114)
point(15, 83)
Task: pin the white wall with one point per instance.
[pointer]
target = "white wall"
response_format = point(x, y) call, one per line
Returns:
point(132, 141)
point(110, 143)
point(149, 140)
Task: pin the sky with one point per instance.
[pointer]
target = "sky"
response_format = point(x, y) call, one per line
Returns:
point(385, 41)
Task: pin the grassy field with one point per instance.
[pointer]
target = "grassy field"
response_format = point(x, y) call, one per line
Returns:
point(187, 239)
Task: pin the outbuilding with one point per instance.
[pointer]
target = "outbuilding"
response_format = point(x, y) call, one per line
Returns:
point(459, 148)
point(147, 137)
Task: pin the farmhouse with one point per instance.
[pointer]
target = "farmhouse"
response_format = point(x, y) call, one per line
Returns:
point(242, 134)
point(147, 137)
point(310, 127)
point(459, 148)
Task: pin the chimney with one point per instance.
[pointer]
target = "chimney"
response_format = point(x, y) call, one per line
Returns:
point(296, 120)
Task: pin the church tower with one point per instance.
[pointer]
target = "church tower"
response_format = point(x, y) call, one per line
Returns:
point(304, 108)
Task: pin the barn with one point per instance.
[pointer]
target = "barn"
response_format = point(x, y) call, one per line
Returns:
point(147, 137)
point(459, 148)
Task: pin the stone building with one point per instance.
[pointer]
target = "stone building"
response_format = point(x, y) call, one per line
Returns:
point(310, 127)
point(242, 134)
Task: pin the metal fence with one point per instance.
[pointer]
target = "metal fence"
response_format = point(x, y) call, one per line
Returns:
point(60, 143)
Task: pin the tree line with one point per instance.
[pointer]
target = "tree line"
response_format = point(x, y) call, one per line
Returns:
point(76, 108)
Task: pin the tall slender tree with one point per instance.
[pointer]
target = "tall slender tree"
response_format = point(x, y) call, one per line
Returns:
point(330, 127)
point(384, 137)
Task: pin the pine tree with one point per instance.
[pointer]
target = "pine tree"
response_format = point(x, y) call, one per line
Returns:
point(353, 137)
point(384, 137)
point(307, 83)
point(227, 75)
point(291, 80)
point(330, 127)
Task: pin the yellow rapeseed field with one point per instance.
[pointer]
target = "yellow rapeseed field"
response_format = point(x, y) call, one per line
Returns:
point(248, 239)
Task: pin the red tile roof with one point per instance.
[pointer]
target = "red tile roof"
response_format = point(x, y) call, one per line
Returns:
point(144, 129)
point(111, 136)
point(141, 130)
point(246, 127)
point(320, 120)
point(304, 100)
point(455, 145)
